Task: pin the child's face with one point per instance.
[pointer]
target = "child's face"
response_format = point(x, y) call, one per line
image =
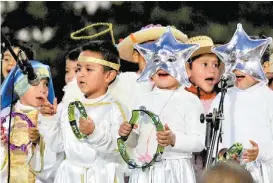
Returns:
point(91, 77)
point(36, 95)
point(165, 81)
point(244, 81)
point(70, 70)
point(205, 72)
point(8, 62)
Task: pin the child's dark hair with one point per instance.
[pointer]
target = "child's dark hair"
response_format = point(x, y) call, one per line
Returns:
point(108, 51)
point(191, 60)
point(73, 54)
point(25, 47)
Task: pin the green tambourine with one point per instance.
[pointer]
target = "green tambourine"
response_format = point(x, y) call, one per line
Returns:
point(72, 120)
point(122, 146)
point(235, 149)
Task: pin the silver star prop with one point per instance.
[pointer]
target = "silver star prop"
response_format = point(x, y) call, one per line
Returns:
point(167, 54)
point(243, 53)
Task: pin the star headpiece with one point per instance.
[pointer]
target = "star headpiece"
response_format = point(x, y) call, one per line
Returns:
point(243, 53)
point(167, 54)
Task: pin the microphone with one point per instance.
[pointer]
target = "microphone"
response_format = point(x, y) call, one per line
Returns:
point(27, 68)
point(228, 79)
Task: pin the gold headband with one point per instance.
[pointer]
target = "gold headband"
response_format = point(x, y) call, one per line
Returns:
point(99, 61)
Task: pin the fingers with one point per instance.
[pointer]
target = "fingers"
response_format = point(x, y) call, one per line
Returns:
point(125, 129)
point(55, 105)
point(254, 144)
point(33, 134)
point(167, 127)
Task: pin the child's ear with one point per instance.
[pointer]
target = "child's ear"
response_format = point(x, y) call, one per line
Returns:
point(188, 69)
point(111, 75)
point(135, 56)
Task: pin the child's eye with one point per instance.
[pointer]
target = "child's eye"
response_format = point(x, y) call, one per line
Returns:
point(204, 64)
point(89, 69)
point(66, 71)
point(216, 65)
point(78, 69)
point(46, 84)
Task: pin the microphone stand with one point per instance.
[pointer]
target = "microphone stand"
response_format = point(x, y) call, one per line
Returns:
point(21, 65)
point(214, 125)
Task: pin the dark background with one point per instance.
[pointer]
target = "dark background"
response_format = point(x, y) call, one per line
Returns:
point(47, 25)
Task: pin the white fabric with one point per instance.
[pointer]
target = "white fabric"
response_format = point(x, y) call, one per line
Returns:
point(181, 110)
point(52, 160)
point(126, 88)
point(94, 158)
point(249, 116)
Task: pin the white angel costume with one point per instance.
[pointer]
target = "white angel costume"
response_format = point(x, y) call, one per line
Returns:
point(94, 159)
point(249, 116)
point(181, 110)
point(126, 88)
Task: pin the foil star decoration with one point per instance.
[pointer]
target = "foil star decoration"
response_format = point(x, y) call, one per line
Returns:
point(243, 53)
point(167, 54)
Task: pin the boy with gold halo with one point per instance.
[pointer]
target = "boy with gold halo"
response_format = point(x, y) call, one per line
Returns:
point(94, 158)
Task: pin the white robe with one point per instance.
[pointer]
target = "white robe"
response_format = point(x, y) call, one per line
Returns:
point(126, 88)
point(51, 159)
point(96, 158)
point(181, 110)
point(249, 116)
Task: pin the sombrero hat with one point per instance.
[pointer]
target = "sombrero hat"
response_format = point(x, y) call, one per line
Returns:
point(205, 43)
point(148, 33)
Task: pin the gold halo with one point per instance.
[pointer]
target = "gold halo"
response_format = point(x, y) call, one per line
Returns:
point(109, 29)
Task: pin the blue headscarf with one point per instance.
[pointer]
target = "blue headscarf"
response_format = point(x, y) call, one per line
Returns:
point(21, 84)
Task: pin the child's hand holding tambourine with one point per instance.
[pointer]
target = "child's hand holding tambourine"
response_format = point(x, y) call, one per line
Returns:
point(86, 126)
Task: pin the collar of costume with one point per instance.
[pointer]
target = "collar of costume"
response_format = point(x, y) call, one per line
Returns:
point(244, 54)
point(21, 84)
point(201, 93)
point(83, 58)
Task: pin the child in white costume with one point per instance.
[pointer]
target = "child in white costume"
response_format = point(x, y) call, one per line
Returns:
point(43, 165)
point(179, 111)
point(93, 159)
point(126, 88)
point(248, 108)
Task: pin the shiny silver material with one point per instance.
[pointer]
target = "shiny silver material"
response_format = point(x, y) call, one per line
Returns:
point(243, 53)
point(167, 54)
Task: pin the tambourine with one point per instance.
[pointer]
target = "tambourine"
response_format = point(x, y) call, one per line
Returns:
point(72, 119)
point(235, 149)
point(24, 117)
point(149, 122)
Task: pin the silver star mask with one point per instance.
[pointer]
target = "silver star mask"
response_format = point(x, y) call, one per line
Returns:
point(244, 54)
point(167, 54)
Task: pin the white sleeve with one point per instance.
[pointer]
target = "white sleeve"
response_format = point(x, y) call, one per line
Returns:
point(51, 128)
point(104, 138)
point(193, 138)
point(266, 153)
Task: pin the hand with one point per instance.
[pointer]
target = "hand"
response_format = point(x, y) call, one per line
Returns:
point(86, 126)
point(33, 134)
point(125, 129)
point(251, 154)
point(3, 137)
point(166, 137)
point(47, 109)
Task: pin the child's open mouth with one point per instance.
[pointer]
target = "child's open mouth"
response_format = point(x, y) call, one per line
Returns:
point(40, 98)
point(210, 81)
point(162, 74)
point(82, 83)
point(240, 77)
